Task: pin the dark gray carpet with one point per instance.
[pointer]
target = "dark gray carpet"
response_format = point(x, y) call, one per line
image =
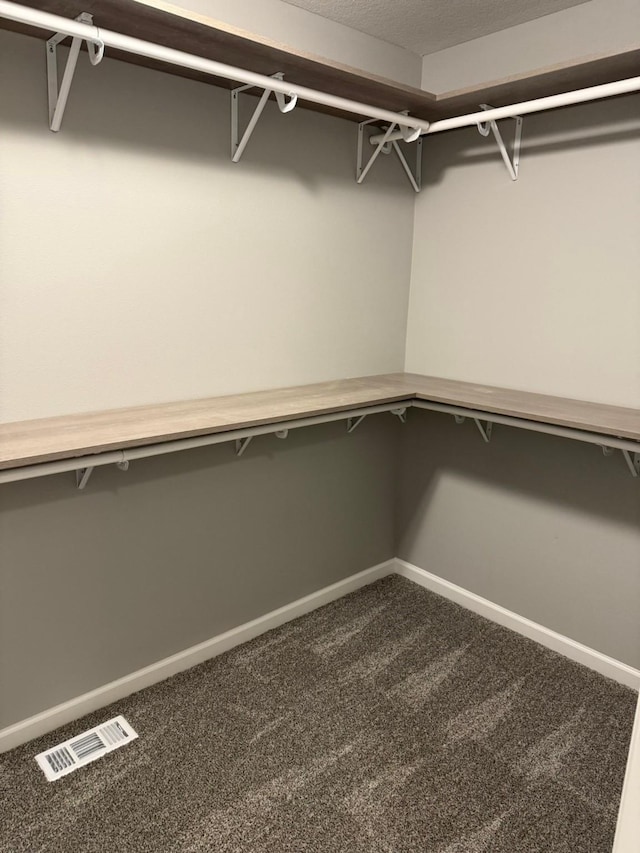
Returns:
point(391, 721)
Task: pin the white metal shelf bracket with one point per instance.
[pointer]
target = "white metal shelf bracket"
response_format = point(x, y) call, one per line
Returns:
point(353, 423)
point(285, 104)
point(386, 146)
point(59, 93)
point(485, 429)
point(633, 462)
point(512, 162)
point(242, 444)
point(82, 477)
point(632, 459)
point(401, 414)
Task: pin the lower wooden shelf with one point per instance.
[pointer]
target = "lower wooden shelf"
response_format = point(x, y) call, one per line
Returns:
point(72, 437)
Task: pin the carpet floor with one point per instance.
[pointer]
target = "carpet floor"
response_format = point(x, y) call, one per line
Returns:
point(390, 721)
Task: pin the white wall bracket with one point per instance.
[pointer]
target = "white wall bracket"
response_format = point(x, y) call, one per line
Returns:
point(82, 477)
point(242, 444)
point(59, 93)
point(353, 423)
point(485, 428)
point(512, 162)
point(282, 433)
point(633, 462)
point(632, 459)
point(285, 105)
point(401, 414)
point(386, 146)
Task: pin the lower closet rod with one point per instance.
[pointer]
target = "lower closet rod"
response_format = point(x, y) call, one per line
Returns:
point(533, 426)
point(115, 457)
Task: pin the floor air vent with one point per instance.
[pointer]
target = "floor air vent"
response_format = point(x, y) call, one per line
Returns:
point(68, 756)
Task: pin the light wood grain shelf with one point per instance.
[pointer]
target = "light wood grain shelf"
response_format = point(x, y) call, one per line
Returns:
point(192, 33)
point(49, 439)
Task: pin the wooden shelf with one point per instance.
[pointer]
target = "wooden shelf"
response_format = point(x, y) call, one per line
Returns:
point(560, 411)
point(177, 28)
point(49, 439)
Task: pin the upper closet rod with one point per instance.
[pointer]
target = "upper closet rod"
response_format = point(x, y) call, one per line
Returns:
point(552, 102)
point(58, 24)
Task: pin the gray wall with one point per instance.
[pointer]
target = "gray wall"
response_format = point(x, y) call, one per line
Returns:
point(144, 564)
point(544, 526)
point(530, 285)
point(533, 284)
point(140, 265)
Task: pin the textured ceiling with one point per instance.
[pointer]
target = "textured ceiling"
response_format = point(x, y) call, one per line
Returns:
point(424, 26)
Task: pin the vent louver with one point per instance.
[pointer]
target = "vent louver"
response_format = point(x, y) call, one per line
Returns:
point(66, 757)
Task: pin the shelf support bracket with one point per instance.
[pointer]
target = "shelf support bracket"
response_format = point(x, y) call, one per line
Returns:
point(632, 459)
point(59, 93)
point(633, 462)
point(282, 433)
point(285, 105)
point(485, 429)
point(82, 477)
point(512, 162)
point(242, 444)
point(352, 423)
point(400, 413)
point(385, 146)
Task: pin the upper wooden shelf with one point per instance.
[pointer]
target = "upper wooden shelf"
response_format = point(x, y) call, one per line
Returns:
point(177, 28)
point(49, 439)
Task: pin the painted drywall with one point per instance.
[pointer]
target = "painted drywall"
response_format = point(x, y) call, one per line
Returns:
point(179, 549)
point(599, 26)
point(533, 284)
point(139, 265)
point(546, 527)
point(308, 32)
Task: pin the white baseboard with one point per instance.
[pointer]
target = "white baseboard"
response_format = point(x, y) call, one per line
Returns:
point(603, 664)
point(59, 715)
point(628, 825)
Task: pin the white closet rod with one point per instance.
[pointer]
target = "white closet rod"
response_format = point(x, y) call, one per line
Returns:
point(128, 454)
point(552, 102)
point(115, 457)
point(600, 439)
point(58, 24)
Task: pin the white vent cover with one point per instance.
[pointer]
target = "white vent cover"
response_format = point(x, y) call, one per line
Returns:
point(68, 756)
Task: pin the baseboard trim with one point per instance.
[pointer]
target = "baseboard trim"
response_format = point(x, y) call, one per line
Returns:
point(53, 718)
point(575, 651)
